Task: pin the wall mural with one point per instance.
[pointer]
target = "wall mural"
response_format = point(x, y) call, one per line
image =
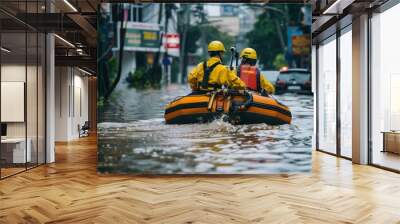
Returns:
point(204, 88)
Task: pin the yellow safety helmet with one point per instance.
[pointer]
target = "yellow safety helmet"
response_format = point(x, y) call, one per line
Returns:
point(248, 53)
point(216, 45)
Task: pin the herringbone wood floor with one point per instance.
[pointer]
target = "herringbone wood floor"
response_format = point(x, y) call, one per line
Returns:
point(70, 191)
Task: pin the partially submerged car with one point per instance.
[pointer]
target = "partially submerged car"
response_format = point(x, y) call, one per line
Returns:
point(295, 80)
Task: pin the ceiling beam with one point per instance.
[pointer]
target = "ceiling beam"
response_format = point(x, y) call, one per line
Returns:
point(337, 7)
point(84, 24)
point(81, 61)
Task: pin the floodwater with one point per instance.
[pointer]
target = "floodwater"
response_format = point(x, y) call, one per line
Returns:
point(134, 139)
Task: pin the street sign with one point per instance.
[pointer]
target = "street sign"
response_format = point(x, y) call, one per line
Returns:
point(172, 40)
point(301, 45)
point(292, 31)
point(171, 44)
point(166, 61)
point(141, 37)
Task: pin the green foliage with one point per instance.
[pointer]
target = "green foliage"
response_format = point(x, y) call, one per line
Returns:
point(211, 33)
point(193, 35)
point(136, 78)
point(100, 102)
point(113, 67)
point(265, 36)
point(154, 75)
point(145, 77)
point(175, 69)
point(265, 40)
point(280, 61)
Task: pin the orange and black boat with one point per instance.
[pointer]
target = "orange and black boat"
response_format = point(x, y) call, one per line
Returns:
point(237, 108)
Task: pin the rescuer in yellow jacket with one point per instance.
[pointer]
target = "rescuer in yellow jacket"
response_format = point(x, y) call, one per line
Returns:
point(212, 74)
point(251, 75)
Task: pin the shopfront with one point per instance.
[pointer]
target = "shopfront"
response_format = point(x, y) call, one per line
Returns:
point(372, 87)
point(334, 90)
point(385, 89)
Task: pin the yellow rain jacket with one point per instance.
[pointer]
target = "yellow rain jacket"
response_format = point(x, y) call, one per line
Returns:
point(266, 84)
point(219, 76)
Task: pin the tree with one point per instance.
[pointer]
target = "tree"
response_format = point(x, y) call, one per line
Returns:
point(264, 39)
point(280, 61)
point(211, 33)
point(270, 31)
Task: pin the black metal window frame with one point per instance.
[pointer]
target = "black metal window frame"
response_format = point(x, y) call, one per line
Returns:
point(339, 30)
point(44, 101)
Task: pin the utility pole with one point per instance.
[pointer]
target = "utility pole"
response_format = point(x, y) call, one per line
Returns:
point(123, 16)
point(157, 57)
point(183, 51)
point(203, 21)
point(167, 71)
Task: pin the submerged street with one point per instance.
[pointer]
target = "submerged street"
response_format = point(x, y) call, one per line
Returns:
point(135, 139)
point(206, 46)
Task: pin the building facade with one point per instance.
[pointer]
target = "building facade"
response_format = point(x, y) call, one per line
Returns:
point(357, 82)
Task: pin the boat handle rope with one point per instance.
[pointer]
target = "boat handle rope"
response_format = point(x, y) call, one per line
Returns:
point(211, 101)
point(247, 103)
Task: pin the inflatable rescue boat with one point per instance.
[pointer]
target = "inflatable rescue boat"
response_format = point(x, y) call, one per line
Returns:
point(235, 107)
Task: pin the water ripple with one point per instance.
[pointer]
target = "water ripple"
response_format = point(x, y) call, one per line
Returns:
point(133, 138)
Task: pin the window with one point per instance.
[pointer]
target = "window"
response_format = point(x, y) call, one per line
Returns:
point(22, 77)
point(385, 89)
point(327, 95)
point(346, 93)
point(298, 76)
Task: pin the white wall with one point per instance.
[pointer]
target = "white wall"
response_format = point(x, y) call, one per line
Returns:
point(62, 81)
point(16, 73)
point(80, 110)
point(33, 126)
point(13, 100)
point(71, 102)
point(11, 73)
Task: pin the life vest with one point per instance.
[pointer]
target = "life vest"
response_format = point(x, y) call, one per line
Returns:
point(250, 75)
point(207, 71)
